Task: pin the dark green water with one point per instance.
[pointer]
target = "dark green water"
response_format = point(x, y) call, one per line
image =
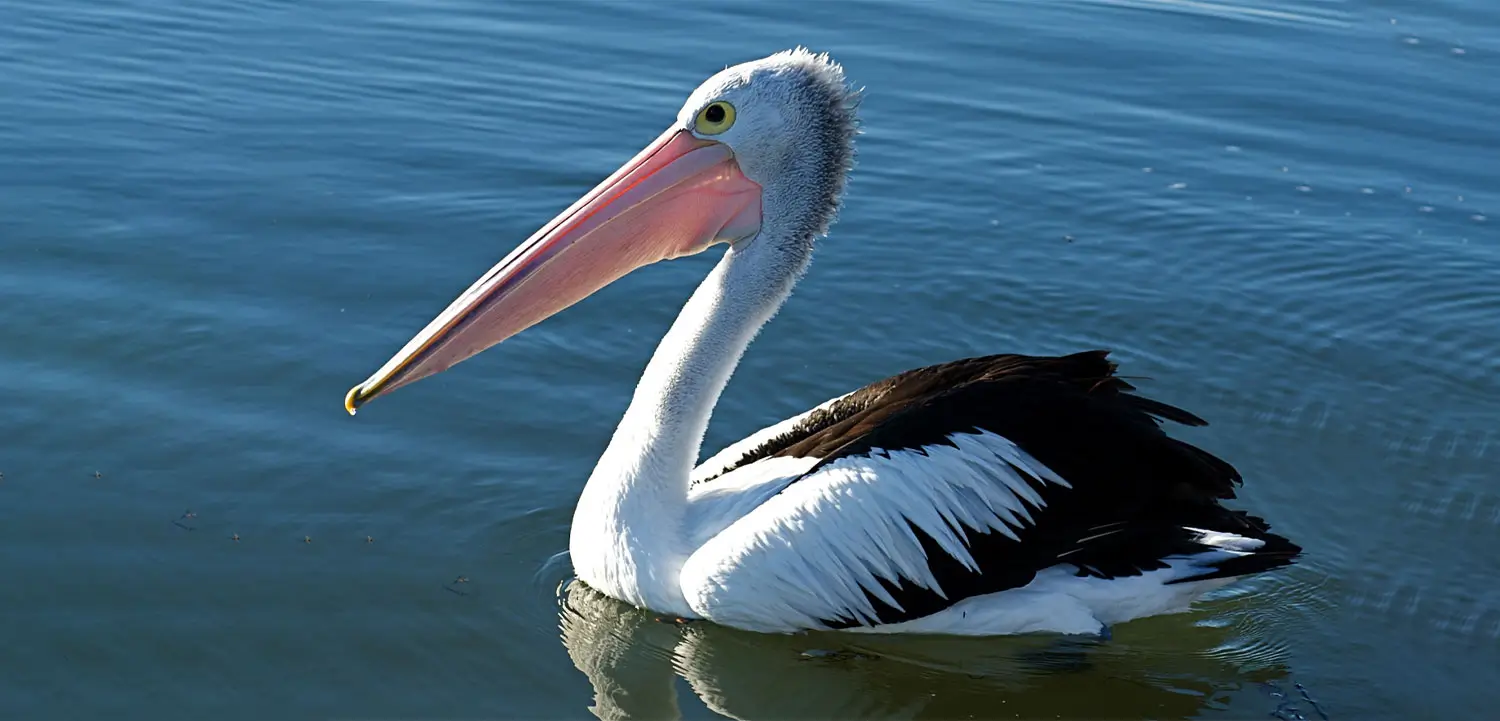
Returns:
point(215, 217)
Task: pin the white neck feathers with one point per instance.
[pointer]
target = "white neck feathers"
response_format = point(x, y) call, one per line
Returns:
point(627, 533)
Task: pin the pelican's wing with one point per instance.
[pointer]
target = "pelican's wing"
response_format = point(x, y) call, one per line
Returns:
point(965, 479)
point(768, 441)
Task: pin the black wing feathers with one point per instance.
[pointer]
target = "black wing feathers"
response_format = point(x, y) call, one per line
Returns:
point(1133, 491)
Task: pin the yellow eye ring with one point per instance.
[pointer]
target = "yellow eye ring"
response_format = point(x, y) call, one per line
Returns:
point(715, 118)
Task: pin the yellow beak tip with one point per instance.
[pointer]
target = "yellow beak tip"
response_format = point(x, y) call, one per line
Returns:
point(351, 400)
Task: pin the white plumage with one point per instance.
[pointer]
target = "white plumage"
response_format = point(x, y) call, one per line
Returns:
point(813, 550)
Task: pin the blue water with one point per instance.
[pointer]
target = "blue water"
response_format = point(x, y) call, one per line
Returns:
point(216, 217)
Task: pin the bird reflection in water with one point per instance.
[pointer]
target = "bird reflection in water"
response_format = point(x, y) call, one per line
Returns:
point(1160, 668)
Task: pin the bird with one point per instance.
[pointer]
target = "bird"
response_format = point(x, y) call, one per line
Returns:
point(996, 495)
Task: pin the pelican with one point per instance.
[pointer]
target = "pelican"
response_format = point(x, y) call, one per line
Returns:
point(997, 495)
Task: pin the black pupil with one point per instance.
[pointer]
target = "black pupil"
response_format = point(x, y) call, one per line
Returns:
point(714, 114)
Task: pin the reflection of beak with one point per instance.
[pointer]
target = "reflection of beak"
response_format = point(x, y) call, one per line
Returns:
point(677, 197)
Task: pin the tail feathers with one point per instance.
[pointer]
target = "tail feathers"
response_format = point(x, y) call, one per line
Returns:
point(1164, 411)
point(1257, 552)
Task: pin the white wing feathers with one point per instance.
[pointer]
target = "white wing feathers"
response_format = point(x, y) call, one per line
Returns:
point(725, 458)
point(713, 506)
point(810, 553)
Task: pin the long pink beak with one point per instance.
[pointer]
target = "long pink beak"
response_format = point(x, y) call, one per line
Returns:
point(677, 197)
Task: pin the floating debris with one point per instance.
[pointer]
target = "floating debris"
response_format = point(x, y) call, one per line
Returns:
point(98, 475)
point(186, 515)
point(235, 538)
point(307, 539)
point(1177, 186)
point(369, 539)
point(450, 586)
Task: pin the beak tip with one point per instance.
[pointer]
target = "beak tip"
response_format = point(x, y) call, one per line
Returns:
point(352, 399)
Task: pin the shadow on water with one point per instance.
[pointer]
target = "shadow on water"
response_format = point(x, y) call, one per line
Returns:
point(1152, 669)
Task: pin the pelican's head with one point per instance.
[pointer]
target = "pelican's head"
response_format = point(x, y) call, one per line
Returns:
point(790, 121)
point(765, 145)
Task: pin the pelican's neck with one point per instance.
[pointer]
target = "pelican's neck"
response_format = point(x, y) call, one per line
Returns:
point(627, 536)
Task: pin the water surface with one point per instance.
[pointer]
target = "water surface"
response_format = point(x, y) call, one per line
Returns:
point(217, 216)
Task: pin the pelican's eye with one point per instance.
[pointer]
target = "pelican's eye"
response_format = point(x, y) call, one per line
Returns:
point(715, 118)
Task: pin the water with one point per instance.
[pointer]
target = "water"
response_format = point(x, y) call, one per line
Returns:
point(215, 217)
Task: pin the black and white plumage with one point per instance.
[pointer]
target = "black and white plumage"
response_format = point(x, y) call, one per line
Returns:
point(999, 469)
point(993, 495)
